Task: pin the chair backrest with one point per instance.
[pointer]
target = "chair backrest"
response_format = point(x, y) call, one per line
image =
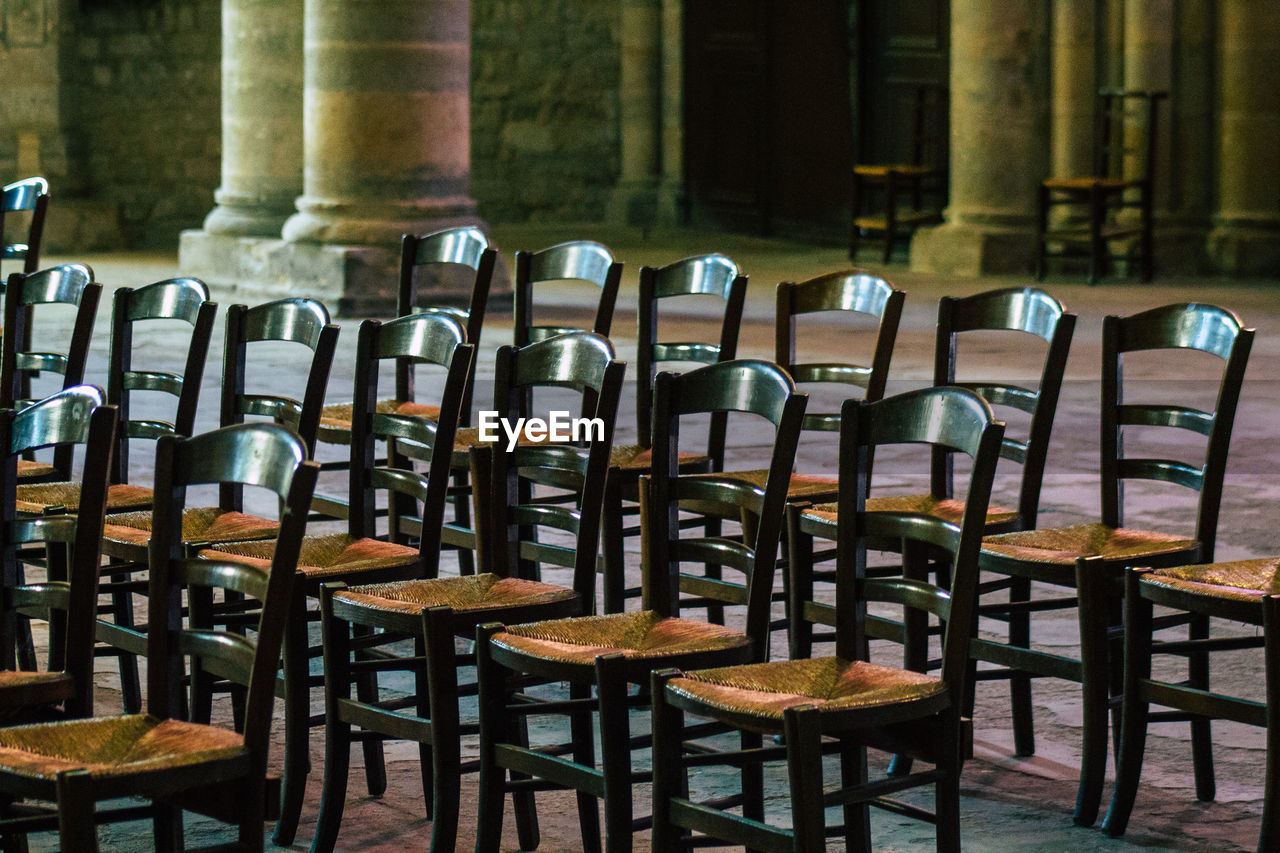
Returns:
point(74, 417)
point(1192, 326)
point(579, 260)
point(953, 418)
point(747, 386)
point(436, 339)
point(461, 248)
point(28, 195)
point(67, 284)
point(712, 276)
point(255, 454)
point(181, 299)
point(1026, 310)
point(931, 131)
point(583, 362)
point(850, 290)
point(1126, 128)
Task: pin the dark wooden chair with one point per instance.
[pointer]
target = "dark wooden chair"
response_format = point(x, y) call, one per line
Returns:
point(1242, 591)
point(1061, 556)
point(76, 417)
point(576, 260)
point(30, 195)
point(67, 284)
point(157, 756)
point(360, 555)
point(846, 698)
point(613, 651)
point(453, 251)
point(1018, 311)
point(880, 191)
point(1123, 161)
point(435, 610)
point(703, 277)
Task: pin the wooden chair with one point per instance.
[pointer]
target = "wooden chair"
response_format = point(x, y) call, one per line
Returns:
point(1018, 311)
point(30, 195)
point(157, 756)
point(1241, 591)
point(614, 651)
point(879, 190)
point(1060, 556)
point(64, 689)
point(360, 555)
point(453, 250)
point(845, 697)
point(435, 610)
point(1123, 161)
point(67, 284)
point(576, 260)
point(705, 277)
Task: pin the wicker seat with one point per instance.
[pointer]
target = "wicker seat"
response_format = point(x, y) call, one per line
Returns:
point(843, 700)
point(614, 651)
point(179, 764)
point(434, 611)
point(1139, 441)
point(38, 497)
point(199, 524)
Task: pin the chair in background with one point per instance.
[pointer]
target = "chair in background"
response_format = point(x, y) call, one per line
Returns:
point(433, 611)
point(1136, 445)
point(704, 277)
point(1242, 591)
point(1124, 158)
point(879, 190)
point(611, 652)
point(64, 689)
point(577, 260)
point(157, 756)
point(360, 555)
point(451, 251)
point(845, 697)
point(68, 284)
point(30, 195)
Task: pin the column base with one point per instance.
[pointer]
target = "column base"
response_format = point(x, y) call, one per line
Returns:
point(969, 251)
point(1244, 250)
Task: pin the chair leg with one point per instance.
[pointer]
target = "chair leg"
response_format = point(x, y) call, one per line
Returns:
point(947, 804)
point(1201, 734)
point(493, 730)
point(1134, 708)
point(462, 517)
point(122, 613)
point(668, 776)
point(76, 827)
point(1092, 594)
point(446, 752)
point(857, 816)
point(1269, 836)
point(799, 586)
point(615, 751)
point(752, 779)
point(804, 757)
point(426, 757)
point(1042, 226)
point(1024, 727)
point(297, 711)
point(375, 769)
point(337, 732)
point(614, 581)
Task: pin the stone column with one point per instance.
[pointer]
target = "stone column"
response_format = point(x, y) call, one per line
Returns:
point(671, 200)
point(1246, 236)
point(386, 121)
point(1075, 87)
point(639, 94)
point(999, 128)
point(261, 117)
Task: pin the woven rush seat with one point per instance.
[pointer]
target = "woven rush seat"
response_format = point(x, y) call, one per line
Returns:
point(21, 692)
point(1241, 580)
point(802, 485)
point(830, 684)
point(336, 419)
point(901, 169)
point(339, 554)
point(113, 746)
point(1063, 545)
point(465, 594)
point(203, 524)
point(29, 469)
point(634, 456)
point(36, 497)
point(638, 635)
point(947, 509)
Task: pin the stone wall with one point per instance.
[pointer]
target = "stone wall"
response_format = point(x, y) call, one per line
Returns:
point(544, 108)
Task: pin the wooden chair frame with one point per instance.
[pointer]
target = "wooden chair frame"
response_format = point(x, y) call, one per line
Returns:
point(581, 260)
point(68, 284)
point(29, 194)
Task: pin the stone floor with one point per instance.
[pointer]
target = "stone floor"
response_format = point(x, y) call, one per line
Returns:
point(1008, 803)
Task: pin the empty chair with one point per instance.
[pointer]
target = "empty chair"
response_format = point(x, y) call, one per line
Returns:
point(577, 260)
point(30, 195)
point(157, 756)
point(845, 697)
point(68, 284)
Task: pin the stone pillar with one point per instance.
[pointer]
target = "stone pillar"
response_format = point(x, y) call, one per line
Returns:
point(386, 121)
point(999, 128)
point(261, 117)
point(639, 93)
point(1075, 87)
point(1246, 236)
point(671, 201)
